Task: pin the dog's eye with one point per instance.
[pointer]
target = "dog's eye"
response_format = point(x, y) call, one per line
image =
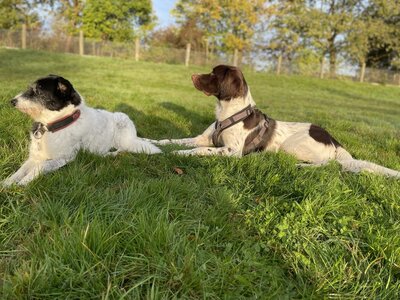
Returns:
point(30, 92)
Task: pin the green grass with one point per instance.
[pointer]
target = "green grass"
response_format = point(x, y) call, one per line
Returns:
point(257, 227)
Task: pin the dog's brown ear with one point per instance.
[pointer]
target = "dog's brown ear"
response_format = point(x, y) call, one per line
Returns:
point(233, 85)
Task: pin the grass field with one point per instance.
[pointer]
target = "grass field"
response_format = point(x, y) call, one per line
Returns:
point(129, 227)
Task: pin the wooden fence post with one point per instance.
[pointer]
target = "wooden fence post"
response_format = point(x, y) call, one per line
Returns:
point(362, 74)
point(93, 48)
point(279, 65)
point(321, 71)
point(207, 53)
point(396, 78)
point(137, 49)
point(81, 48)
point(187, 56)
point(23, 36)
point(235, 57)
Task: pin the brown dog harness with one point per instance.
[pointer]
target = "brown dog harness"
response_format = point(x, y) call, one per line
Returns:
point(250, 146)
point(263, 135)
point(232, 120)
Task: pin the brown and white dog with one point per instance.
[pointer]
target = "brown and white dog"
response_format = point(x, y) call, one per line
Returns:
point(240, 128)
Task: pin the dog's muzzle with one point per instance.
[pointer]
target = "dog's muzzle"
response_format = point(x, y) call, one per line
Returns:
point(14, 102)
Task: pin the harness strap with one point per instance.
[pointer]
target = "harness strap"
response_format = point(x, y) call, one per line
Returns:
point(39, 128)
point(228, 122)
point(259, 139)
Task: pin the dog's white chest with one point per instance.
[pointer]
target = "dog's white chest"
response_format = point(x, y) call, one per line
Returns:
point(38, 149)
point(234, 136)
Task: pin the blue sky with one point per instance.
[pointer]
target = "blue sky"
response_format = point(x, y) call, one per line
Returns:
point(162, 9)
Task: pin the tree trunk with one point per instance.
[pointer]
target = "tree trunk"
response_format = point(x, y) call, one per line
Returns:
point(207, 54)
point(321, 70)
point(332, 55)
point(68, 43)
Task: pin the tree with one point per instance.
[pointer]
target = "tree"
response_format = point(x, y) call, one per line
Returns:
point(365, 33)
point(205, 14)
point(68, 18)
point(328, 22)
point(13, 13)
point(384, 46)
point(230, 24)
point(71, 12)
point(239, 20)
point(116, 20)
point(178, 37)
point(285, 30)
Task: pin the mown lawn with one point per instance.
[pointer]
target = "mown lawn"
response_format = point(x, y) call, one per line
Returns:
point(256, 227)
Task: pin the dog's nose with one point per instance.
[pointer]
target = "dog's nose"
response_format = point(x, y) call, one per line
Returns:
point(194, 77)
point(14, 102)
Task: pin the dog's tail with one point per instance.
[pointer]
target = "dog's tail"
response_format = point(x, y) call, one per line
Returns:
point(140, 145)
point(354, 165)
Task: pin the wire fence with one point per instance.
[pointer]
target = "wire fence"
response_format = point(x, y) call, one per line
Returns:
point(138, 50)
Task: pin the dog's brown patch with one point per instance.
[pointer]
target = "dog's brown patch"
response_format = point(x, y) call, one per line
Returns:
point(267, 137)
point(253, 119)
point(322, 136)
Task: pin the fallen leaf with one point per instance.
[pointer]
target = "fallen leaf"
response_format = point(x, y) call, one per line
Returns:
point(178, 171)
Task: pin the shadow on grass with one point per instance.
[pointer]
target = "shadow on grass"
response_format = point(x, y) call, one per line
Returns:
point(176, 221)
point(198, 121)
point(151, 125)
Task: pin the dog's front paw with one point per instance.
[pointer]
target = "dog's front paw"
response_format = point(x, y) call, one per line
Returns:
point(8, 182)
point(162, 142)
point(27, 179)
point(183, 152)
point(157, 142)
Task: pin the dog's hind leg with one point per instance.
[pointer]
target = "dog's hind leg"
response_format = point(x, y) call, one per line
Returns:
point(127, 140)
point(306, 165)
point(136, 145)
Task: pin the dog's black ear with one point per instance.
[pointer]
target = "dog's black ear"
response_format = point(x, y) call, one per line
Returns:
point(75, 98)
point(64, 86)
point(233, 85)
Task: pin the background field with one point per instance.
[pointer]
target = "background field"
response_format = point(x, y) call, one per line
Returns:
point(130, 227)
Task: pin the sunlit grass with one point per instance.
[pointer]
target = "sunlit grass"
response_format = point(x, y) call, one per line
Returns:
point(130, 227)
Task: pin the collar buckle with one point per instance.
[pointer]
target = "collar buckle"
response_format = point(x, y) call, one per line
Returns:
point(39, 130)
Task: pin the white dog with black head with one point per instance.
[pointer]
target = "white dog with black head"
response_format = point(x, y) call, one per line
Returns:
point(64, 125)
